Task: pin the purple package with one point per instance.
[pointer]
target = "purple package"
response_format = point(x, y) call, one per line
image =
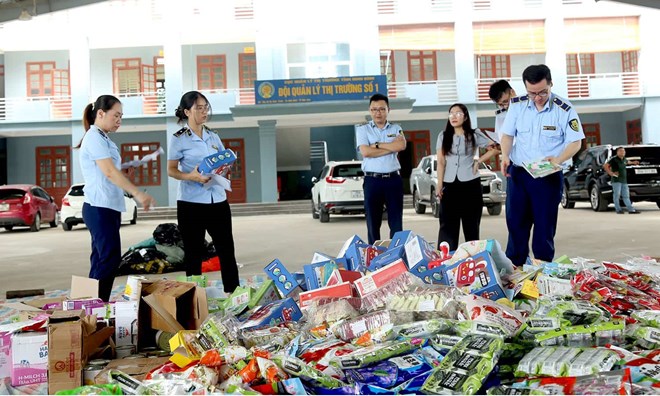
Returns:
point(70, 305)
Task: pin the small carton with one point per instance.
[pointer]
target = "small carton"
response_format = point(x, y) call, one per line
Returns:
point(342, 290)
point(318, 274)
point(265, 294)
point(400, 238)
point(285, 310)
point(350, 241)
point(102, 310)
point(133, 289)
point(5, 354)
point(393, 255)
point(318, 257)
point(126, 323)
point(29, 358)
point(476, 275)
point(285, 282)
point(218, 163)
point(420, 254)
point(185, 348)
point(239, 300)
point(360, 255)
point(76, 305)
point(371, 282)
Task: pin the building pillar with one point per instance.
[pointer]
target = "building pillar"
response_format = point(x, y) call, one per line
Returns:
point(649, 31)
point(173, 92)
point(80, 80)
point(268, 160)
point(555, 52)
point(466, 82)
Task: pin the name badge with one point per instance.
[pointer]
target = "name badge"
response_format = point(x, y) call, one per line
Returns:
point(391, 135)
point(549, 128)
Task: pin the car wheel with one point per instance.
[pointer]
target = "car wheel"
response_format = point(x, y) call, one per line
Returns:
point(66, 226)
point(419, 207)
point(36, 226)
point(56, 221)
point(324, 215)
point(9, 228)
point(565, 202)
point(598, 203)
point(495, 210)
point(315, 214)
point(435, 205)
point(134, 219)
point(658, 203)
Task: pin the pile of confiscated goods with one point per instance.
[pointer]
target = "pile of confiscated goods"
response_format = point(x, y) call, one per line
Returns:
point(397, 317)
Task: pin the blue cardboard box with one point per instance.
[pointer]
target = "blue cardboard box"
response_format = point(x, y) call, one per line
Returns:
point(219, 162)
point(475, 275)
point(400, 238)
point(285, 282)
point(388, 257)
point(359, 256)
point(350, 241)
point(280, 311)
point(423, 260)
point(317, 274)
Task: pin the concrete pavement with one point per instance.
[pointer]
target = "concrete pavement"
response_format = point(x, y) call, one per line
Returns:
point(48, 258)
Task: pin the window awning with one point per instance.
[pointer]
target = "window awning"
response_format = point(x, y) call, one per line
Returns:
point(417, 37)
point(592, 35)
point(509, 37)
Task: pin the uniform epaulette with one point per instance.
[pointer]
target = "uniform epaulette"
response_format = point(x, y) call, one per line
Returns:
point(560, 103)
point(361, 124)
point(180, 132)
point(517, 99)
point(500, 111)
point(209, 129)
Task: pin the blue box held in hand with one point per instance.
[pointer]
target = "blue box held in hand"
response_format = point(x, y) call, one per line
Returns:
point(218, 163)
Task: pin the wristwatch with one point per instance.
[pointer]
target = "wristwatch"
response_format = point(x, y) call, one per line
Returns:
point(377, 145)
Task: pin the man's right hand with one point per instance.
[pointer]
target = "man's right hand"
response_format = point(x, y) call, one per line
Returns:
point(504, 165)
point(615, 174)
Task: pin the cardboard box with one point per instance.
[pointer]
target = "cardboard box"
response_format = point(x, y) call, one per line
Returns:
point(29, 358)
point(126, 323)
point(133, 289)
point(342, 290)
point(175, 305)
point(73, 338)
point(371, 282)
point(5, 354)
point(360, 255)
point(475, 275)
point(265, 294)
point(285, 282)
point(185, 348)
point(218, 163)
point(136, 368)
point(285, 310)
point(318, 274)
point(350, 241)
point(392, 255)
point(400, 238)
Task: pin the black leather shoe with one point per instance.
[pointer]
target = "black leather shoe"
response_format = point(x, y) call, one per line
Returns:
point(634, 212)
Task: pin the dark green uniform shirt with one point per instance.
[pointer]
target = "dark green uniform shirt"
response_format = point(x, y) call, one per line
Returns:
point(618, 165)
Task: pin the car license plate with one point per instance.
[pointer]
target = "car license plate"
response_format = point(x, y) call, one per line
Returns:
point(645, 171)
point(4, 207)
point(356, 194)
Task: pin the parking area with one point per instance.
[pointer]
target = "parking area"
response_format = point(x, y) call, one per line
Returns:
point(47, 259)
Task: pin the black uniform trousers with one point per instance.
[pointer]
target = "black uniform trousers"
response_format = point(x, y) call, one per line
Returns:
point(461, 202)
point(103, 225)
point(530, 202)
point(378, 192)
point(194, 220)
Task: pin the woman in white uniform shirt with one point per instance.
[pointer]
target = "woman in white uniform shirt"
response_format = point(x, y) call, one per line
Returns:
point(100, 161)
point(459, 184)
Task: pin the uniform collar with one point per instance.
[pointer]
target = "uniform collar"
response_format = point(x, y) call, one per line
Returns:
point(205, 133)
point(373, 124)
point(531, 104)
point(101, 132)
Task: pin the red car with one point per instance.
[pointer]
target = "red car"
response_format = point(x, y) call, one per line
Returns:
point(26, 205)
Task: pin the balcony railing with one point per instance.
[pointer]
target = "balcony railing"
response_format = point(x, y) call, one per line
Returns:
point(604, 85)
point(42, 108)
point(425, 92)
point(483, 85)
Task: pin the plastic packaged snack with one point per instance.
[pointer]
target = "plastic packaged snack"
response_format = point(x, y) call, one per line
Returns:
point(424, 329)
point(219, 331)
point(352, 329)
point(644, 336)
point(269, 370)
point(557, 364)
point(280, 334)
point(647, 317)
point(530, 365)
point(592, 361)
point(492, 313)
point(298, 368)
point(105, 389)
point(429, 303)
point(330, 311)
point(444, 342)
point(369, 355)
point(451, 381)
point(175, 387)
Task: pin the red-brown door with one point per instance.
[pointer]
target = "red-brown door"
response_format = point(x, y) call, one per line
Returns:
point(634, 131)
point(591, 134)
point(54, 170)
point(418, 146)
point(237, 174)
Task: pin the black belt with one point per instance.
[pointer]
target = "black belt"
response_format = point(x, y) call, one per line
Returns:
point(382, 175)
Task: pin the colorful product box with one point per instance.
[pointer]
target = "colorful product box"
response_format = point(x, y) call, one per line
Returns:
point(285, 282)
point(360, 255)
point(388, 257)
point(400, 238)
point(185, 348)
point(29, 358)
point(318, 274)
point(371, 282)
point(350, 241)
point(126, 323)
point(423, 260)
point(218, 163)
point(342, 290)
point(102, 310)
point(5, 354)
point(265, 294)
point(285, 310)
point(238, 301)
point(475, 275)
point(75, 305)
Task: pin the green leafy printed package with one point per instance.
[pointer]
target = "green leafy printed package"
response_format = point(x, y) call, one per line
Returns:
point(365, 356)
point(565, 362)
point(644, 336)
point(647, 317)
point(299, 368)
point(105, 389)
point(424, 329)
point(451, 381)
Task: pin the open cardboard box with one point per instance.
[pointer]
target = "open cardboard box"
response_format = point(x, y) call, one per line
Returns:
point(136, 368)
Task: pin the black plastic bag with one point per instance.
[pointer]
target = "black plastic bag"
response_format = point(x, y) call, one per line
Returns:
point(168, 234)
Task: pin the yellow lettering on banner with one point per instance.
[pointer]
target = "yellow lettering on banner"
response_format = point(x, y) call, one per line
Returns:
point(284, 92)
point(348, 88)
point(327, 90)
point(369, 87)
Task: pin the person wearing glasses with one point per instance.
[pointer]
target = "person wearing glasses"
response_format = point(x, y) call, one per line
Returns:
point(200, 207)
point(459, 183)
point(545, 127)
point(379, 141)
point(501, 92)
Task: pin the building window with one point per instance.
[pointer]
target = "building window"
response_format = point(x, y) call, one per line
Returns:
point(318, 60)
point(247, 64)
point(211, 72)
point(422, 66)
point(40, 78)
point(159, 65)
point(147, 174)
point(494, 66)
point(586, 65)
point(126, 76)
point(629, 61)
point(387, 65)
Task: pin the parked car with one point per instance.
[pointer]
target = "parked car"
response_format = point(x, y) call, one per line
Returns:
point(26, 205)
point(72, 204)
point(586, 180)
point(424, 182)
point(338, 190)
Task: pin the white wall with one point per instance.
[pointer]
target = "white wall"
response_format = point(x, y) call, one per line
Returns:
point(15, 66)
point(520, 62)
point(231, 51)
point(101, 65)
point(608, 62)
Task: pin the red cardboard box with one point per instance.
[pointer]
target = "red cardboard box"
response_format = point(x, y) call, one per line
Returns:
point(342, 290)
point(371, 282)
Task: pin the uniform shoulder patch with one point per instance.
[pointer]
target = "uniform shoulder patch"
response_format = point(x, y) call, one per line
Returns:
point(517, 99)
point(564, 106)
point(361, 124)
point(210, 130)
point(180, 132)
point(574, 124)
point(500, 111)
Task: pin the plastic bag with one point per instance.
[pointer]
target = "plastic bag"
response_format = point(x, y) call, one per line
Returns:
point(168, 234)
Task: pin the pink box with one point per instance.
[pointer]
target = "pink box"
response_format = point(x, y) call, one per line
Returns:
point(5, 354)
point(373, 281)
point(29, 358)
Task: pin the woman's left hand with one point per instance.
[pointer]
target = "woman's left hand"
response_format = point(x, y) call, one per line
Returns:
point(475, 167)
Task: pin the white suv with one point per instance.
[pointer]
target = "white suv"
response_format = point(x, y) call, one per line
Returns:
point(338, 190)
point(72, 203)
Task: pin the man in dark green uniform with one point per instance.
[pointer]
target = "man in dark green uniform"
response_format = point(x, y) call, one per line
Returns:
point(616, 168)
